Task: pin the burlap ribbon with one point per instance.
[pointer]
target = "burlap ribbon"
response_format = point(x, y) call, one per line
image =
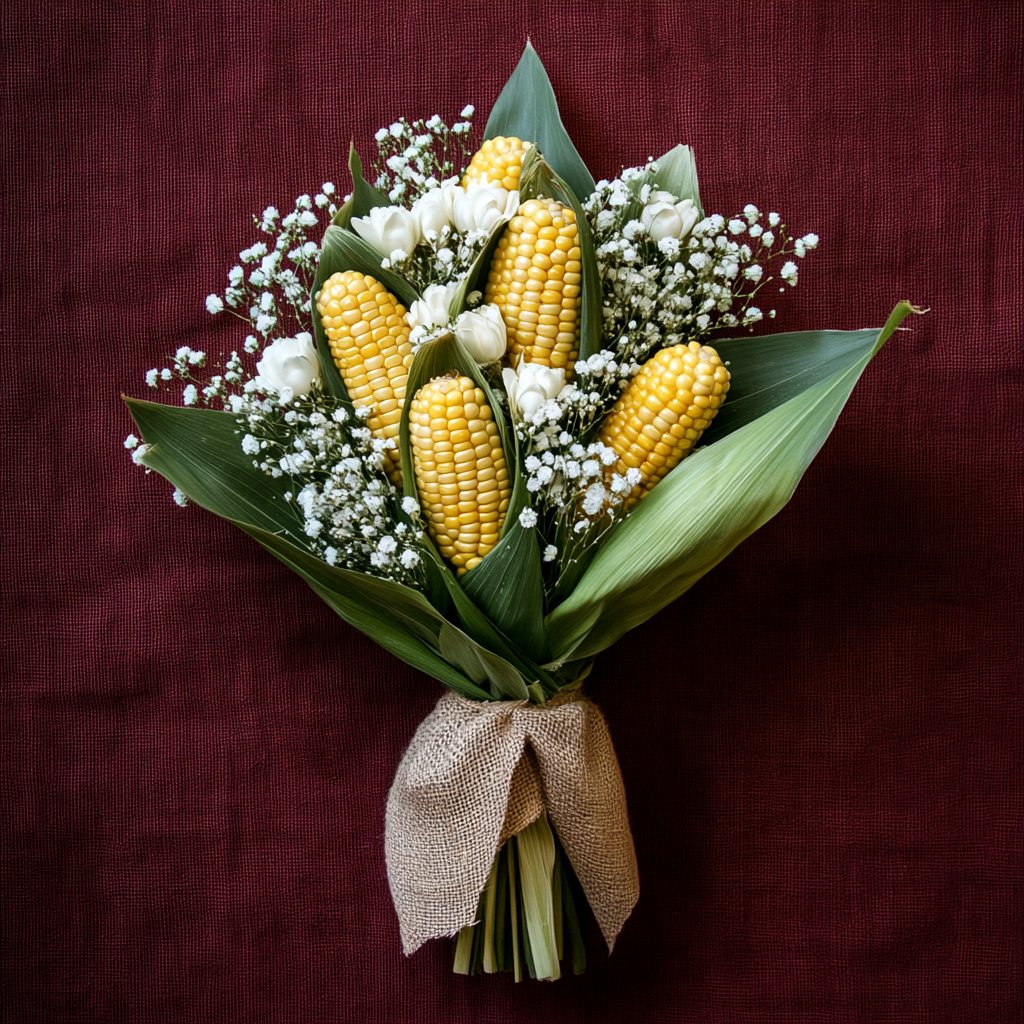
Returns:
point(477, 773)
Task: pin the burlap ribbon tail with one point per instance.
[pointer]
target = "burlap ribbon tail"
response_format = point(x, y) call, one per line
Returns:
point(477, 773)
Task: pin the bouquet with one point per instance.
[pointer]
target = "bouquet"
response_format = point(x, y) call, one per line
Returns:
point(480, 412)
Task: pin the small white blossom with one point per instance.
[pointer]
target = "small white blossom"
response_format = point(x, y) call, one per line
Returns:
point(179, 496)
point(550, 553)
point(527, 518)
point(151, 377)
point(131, 441)
point(214, 303)
point(189, 395)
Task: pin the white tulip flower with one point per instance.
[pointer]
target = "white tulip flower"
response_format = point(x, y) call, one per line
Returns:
point(482, 207)
point(482, 332)
point(433, 309)
point(289, 366)
point(529, 387)
point(434, 209)
point(662, 218)
point(388, 228)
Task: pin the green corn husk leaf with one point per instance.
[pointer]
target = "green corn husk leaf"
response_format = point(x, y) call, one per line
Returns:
point(527, 110)
point(198, 450)
point(539, 179)
point(711, 502)
point(504, 590)
point(537, 862)
point(364, 196)
point(677, 173)
point(476, 278)
point(343, 250)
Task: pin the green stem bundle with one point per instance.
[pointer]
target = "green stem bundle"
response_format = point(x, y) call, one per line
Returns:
point(527, 915)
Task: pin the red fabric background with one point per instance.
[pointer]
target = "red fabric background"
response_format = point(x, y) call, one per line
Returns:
point(821, 742)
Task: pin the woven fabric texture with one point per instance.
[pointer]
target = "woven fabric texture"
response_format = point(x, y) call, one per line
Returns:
point(821, 742)
point(454, 795)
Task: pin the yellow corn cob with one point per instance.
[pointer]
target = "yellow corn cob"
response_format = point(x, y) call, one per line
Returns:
point(369, 338)
point(535, 282)
point(497, 162)
point(661, 415)
point(461, 476)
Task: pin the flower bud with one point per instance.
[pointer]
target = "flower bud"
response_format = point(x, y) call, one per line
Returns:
point(664, 219)
point(529, 387)
point(482, 332)
point(289, 366)
point(433, 210)
point(433, 309)
point(388, 228)
point(481, 207)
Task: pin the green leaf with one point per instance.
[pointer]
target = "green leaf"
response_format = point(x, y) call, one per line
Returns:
point(770, 370)
point(199, 451)
point(364, 196)
point(539, 179)
point(398, 618)
point(480, 665)
point(677, 173)
point(527, 110)
point(703, 509)
point(536, 845)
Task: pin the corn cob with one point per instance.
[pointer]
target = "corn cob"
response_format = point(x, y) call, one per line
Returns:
point(661, 415)
point(497, 162)
point(535, 281)
point(369, 338)
point(461, 476)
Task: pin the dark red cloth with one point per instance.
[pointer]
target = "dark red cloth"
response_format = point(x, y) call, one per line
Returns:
point(821, 742)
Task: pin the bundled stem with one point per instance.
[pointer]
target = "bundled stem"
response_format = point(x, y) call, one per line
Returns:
point(527, 915)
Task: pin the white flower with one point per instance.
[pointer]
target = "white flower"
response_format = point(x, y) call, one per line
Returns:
point(752, 315)
point(467, 111)
point(482, 207)
point(482, 331)
point(434, 209)
point(151, 377)
point(214, 303)
point(387, 228)
point(434, 308)
point(409, 558)
point(410, 506)
point(788, 272)
point(527, 519)
point(397, 129)
point(530, 386)
point(768, 238)
point(773, 220)
point(550, 553)
point(130, 441)
point(250, 445)
point(179, 496)
point(810, 240)
point(737, 227)
point(753, 273)
point(189, 395)
point(289, 363)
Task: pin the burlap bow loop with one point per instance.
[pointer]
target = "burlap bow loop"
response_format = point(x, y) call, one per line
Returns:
point(477, 773)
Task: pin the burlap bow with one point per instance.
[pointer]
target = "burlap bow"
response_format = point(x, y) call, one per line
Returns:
point(469, 780)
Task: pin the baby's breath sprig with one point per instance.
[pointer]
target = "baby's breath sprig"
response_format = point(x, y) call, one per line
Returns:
point(668, 278)
point(352, 515)
point(416, 156)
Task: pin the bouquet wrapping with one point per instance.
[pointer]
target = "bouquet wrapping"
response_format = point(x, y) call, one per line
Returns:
point(483, 418)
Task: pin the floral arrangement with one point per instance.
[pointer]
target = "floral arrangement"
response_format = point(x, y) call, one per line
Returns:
point(477, 407)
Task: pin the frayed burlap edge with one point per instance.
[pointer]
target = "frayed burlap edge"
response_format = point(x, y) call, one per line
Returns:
point(477, 773)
